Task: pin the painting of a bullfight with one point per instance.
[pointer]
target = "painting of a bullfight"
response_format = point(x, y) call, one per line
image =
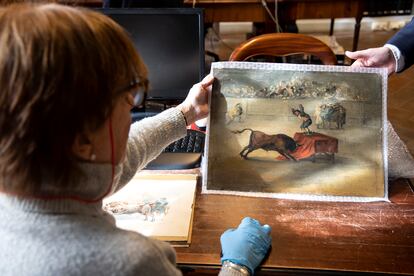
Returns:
point(296, 131)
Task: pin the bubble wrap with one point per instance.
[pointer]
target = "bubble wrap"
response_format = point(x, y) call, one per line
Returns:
point(400, 160)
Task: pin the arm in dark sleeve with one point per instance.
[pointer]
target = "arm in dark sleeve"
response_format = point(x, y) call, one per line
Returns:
point(404, 41)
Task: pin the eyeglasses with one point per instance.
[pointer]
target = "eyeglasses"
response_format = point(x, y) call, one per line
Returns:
point(140, 89)
point(139, 97)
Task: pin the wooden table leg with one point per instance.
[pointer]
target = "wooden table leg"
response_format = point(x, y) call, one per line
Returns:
point(331, 29)
point(356, 32)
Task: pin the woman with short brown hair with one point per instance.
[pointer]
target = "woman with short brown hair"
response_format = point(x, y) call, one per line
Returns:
point(60, 85)
point(68, 80)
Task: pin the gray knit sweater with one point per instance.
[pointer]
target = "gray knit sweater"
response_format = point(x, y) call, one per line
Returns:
point(76, 237)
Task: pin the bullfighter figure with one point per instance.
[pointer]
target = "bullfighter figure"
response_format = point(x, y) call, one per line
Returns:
point(235, 113)
point(304, 117)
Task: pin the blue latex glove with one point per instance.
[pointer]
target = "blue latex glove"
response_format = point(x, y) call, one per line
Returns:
point(246, 245)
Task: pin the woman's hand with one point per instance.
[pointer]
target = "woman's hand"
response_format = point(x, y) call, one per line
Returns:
point(373, 57)
point(195, 106)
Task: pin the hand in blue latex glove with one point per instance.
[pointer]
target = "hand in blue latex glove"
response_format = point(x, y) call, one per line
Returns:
point(247, 245)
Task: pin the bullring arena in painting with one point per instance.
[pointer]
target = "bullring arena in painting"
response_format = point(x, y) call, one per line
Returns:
point(296, 131)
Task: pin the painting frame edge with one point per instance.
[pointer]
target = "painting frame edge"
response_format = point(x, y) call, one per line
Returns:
point(308, 67)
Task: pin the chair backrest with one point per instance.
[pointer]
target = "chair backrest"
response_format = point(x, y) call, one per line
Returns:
point(283, 44)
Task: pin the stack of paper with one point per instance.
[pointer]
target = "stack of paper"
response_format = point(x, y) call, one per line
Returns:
point(157, 206)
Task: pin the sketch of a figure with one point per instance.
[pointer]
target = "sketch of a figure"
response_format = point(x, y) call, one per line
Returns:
point(281, 143)
point(235, 113)
point(330, 113)
point(304, 117)
point(149, 209)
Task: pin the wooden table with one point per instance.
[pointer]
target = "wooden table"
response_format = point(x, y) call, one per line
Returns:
point(310, 237)
point(288, 11)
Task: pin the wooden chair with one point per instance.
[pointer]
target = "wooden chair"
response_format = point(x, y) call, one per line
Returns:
point(283, 44)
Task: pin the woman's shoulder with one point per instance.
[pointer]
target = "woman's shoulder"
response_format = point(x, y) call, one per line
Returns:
point(129, 253)
point(141, 254)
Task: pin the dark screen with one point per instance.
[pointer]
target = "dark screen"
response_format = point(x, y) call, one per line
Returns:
point(170, 41)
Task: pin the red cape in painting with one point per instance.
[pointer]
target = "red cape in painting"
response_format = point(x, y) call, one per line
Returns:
point(309, 144)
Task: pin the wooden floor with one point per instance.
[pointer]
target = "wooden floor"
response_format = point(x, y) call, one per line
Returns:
point(400, 86)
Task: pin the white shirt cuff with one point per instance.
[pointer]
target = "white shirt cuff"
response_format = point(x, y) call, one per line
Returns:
point(399, 58)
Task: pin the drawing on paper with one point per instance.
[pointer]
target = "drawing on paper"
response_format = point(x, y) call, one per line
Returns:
point(147, 210)
point(158, 206)
point(328, 120)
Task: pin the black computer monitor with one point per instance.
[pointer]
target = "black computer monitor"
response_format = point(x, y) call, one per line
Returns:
point(143, 3)
point(171, 43)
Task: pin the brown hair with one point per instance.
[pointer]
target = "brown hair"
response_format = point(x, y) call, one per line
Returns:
point(60, 71)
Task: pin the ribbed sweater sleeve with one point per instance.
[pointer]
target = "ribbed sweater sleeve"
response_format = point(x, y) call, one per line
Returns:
point(147, 138)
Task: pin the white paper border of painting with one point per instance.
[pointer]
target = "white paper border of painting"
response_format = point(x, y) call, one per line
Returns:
point(302, 67)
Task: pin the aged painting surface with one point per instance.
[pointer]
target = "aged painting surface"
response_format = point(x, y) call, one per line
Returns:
point(286, 130)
